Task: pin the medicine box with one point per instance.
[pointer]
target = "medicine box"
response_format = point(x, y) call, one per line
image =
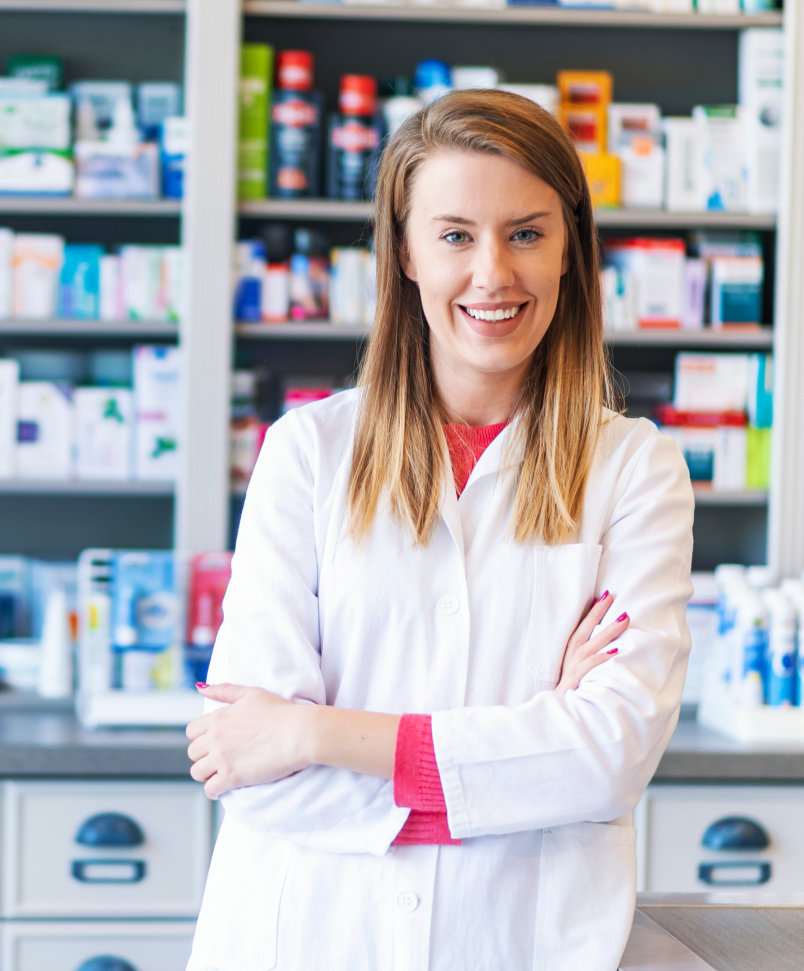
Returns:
point(722, 155)
point(656, 267)
point(735, 289)
point(9, 378)
point(711, 382)
point(761, 97)
point(156, 412)
point(79, 282)
point(103, 433)
point(6, 278)
point(36, 264)
point(108, 170)
point(45, 423)
point(683, 189)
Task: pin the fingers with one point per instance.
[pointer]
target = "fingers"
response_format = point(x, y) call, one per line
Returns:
point(228, 693)
point(609, 633)
point(596, 613)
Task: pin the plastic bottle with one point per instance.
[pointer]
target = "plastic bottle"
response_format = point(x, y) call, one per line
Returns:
point(249, 270)
point(398, 103)
point(296, 116)
point(752, 621)
point(309, 276)
point(730, 579)
point(431, 80)
point(781, 666)
point(354, 137)
point(276, 275)
point(56, 658)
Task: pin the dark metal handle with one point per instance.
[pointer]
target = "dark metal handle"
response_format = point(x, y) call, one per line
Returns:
point(735, 833)
point(82, 871)
point(110, 829)
point(106, 962)
point(707, 873)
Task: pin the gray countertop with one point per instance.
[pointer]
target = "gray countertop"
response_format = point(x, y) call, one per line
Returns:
point(46, 740)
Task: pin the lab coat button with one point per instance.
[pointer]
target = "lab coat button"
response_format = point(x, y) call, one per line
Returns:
point(448, 605)
point(407, 901)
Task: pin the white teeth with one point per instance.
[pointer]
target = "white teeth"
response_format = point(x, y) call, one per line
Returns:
point(489, 315)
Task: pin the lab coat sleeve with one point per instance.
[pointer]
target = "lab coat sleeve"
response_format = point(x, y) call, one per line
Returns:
point(588, 755)
point(270, 638)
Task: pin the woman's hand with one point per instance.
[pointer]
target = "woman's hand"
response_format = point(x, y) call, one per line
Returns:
point(258, 737)
point(583, 651)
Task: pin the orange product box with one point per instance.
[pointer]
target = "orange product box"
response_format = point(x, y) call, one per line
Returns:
point(585, 87)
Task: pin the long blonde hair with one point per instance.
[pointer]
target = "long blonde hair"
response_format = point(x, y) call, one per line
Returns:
point(399, 443)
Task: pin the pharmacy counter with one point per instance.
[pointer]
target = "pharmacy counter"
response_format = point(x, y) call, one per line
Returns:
point(727, 932)
point(38, 739)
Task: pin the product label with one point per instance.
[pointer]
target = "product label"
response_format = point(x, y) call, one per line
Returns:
point(294, 114)
point(354, 137)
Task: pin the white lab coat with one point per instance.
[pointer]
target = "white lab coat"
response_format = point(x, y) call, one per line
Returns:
point(472, 628)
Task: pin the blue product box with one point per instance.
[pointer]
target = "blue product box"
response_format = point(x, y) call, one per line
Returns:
point(174, 146)
point(79, 283)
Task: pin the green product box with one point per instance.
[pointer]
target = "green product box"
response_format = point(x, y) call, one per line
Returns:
point(38, 68)
point(254, 98)
point(757, 458)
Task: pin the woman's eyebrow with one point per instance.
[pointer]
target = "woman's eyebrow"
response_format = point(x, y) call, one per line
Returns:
point(461, 221)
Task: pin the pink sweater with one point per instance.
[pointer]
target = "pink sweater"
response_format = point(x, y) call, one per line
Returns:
point(417, 783)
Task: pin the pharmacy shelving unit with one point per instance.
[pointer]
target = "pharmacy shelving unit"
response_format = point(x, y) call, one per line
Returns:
point(135, 40)
point(676, 61)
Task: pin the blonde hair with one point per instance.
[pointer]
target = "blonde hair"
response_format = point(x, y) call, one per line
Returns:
point(399, 443)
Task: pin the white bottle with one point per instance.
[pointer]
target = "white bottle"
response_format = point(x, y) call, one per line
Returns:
point(781, 666)
point(730, 578)
point(56, 658)
point(752, 623)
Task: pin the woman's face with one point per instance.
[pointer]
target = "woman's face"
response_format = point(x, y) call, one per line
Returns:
point(486, 245)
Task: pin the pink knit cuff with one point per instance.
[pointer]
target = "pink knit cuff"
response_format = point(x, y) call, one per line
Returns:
point(417, 783)
point(425, 828)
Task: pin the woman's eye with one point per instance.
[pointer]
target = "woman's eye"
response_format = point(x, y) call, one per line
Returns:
point(527, 235)
point(455, 236)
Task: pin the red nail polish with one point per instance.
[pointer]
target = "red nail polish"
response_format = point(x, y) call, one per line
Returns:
point(602, 596)
point(621, 618)
point(201, 684)
point(614, 650)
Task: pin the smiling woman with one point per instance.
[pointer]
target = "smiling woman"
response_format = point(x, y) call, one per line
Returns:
point(426, 746)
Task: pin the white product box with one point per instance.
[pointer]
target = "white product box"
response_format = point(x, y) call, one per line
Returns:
point(108, 170)
point(103, 433)
point(171, 300)
point(643, 162)
point(761, 96)
point(38, 123)
point(6, 275)
point(682, 190)
point(140, 272)
point(545, 95)
point(156, 412)
point(36, 264)
point(723, 185)
point(655, 268)
point(626, 121)
point(111, 289)
point(716, 455)
point(711, 382)
point(692, 316)
point(9, 378)
point(44, 430)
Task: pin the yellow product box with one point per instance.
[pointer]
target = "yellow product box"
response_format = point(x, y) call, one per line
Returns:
point(758, 458)
point(585, 87)
point(604, 175)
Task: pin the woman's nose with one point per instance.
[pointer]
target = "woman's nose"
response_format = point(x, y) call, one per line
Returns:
point(493, 269)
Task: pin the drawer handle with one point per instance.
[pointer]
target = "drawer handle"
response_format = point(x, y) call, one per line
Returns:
point(735, 833)
point(707, 873)
point(106, 962)
point(108, 871)
point(109, 829)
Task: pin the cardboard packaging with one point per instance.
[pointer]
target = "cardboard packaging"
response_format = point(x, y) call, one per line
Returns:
point(45, 430)
point(156, 411)
point(104, 433)
point(9, 379)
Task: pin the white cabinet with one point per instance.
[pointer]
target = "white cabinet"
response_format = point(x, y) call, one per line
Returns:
point(700, 838)
point(94, 869)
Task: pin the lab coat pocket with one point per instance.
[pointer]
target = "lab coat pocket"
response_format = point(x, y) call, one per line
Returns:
point(587, 894)
point(564, 585)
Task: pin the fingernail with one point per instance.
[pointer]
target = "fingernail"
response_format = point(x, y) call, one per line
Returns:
point(602, 596)
point(614, 650)
point(621, 618)
point(201, 684)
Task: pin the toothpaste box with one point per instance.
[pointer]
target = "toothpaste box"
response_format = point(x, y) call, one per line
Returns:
point(103, 433)
point(156, 412)
point(9, 379)
point(44, 430)
point(36, 264)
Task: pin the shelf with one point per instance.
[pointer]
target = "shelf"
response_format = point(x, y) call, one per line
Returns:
point(740, 497)
point(67, 206)
point(311, 330)
point(96, 6)
point(85, 487)
point(89, 328)
point(537, 16)
point(337, 210)
point(761, 337)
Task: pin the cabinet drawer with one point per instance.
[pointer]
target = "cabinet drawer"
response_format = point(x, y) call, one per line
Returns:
point(129, 849)
point(701, 838)
point(43, 946)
